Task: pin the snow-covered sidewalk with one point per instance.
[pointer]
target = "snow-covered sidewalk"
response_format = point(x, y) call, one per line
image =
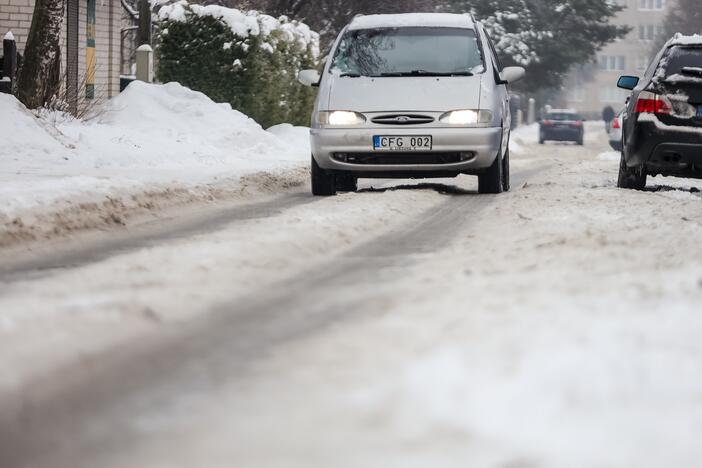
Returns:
point(152, 145)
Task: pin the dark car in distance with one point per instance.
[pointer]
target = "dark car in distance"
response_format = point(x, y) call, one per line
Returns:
point(662, 124)
point(561, 125)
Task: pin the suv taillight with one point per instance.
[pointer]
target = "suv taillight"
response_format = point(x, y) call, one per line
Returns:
point(616, 123)
point(651, 103)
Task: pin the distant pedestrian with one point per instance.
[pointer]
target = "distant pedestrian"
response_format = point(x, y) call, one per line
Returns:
point(608, 114)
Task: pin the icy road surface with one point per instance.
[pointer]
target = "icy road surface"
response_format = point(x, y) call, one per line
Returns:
point(415, 325)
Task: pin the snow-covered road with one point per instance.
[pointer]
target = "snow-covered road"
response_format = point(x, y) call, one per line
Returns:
point(411, 325)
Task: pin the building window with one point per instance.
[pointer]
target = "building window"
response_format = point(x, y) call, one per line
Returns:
point(612, 62)
point(651, 5)
point(647, 32)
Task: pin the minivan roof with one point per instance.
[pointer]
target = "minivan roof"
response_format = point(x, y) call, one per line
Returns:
point(442, 20)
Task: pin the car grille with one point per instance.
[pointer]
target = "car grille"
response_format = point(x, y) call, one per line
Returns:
point(403, 158)
point(403, 119)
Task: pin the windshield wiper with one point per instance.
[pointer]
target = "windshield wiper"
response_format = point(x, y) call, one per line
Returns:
point(427, 73)
point(350, 75)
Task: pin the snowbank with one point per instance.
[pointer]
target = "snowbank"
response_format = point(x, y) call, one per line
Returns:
point(149, 138)
point(19, 129)
point(299, 137)
point(171, 126)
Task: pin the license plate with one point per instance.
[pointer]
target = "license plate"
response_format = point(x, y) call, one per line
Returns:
point(402, 143)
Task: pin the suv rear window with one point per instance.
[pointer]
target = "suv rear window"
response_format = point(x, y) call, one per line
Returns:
point(407, 50)
point(678, 58)
point(563, 116)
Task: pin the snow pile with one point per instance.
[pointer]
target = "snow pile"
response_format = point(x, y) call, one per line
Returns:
point(151, 137)
point(172, 126)
point(298, 137)
point(19, 129)
point(247, 23)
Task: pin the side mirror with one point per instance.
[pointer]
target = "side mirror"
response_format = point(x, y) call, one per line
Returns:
point(628, 82)
point(309, 77)
point(512, 74)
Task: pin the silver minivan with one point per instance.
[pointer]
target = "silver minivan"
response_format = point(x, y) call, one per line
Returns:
point(411, 96)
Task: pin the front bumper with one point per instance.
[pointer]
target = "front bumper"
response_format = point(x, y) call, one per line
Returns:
point(482, 143)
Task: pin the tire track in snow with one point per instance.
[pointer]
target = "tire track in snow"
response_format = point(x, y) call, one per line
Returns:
point(77, 255)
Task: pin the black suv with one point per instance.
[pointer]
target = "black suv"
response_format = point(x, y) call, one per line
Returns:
point(662, 124)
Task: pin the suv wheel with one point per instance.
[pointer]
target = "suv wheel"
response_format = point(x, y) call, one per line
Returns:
point(631, 178)
point(323, 183)
point(346, 182)
point(492, 180)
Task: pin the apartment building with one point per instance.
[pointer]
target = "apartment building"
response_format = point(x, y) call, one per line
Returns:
point(592, 87)
point(90, 45)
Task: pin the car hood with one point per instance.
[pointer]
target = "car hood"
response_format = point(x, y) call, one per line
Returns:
point(429, 94)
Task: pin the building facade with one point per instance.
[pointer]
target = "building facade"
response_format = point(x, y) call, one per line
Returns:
point(592, 87)
point(90, 49)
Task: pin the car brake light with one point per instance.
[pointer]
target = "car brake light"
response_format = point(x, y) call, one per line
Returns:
point(616, 124)
point(547, 122)
point(651, 103)
point(578, 123)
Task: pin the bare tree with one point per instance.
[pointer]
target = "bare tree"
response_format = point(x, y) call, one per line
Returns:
point(39, 76)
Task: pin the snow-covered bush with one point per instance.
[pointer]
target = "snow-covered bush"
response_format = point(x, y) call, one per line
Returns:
point(247, 59)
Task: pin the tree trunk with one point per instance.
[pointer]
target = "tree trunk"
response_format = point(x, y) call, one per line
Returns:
point(39, 76)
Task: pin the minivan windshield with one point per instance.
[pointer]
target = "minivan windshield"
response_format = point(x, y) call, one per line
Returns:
point(408, 51)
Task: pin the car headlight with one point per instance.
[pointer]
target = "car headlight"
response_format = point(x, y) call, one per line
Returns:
point(340, 118)
point(466, 117)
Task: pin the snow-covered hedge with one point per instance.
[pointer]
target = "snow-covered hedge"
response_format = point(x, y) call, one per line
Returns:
point(247, 59)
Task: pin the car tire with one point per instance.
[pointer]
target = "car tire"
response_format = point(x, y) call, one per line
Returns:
point(492, 180)
point(581, 141)
point(631, 178)
point(506, 184)
point(541, 140)
point(323, 183)
point(346, 182)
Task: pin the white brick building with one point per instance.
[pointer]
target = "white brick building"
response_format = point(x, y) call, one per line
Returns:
point(592, 87)
point(80, 53)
